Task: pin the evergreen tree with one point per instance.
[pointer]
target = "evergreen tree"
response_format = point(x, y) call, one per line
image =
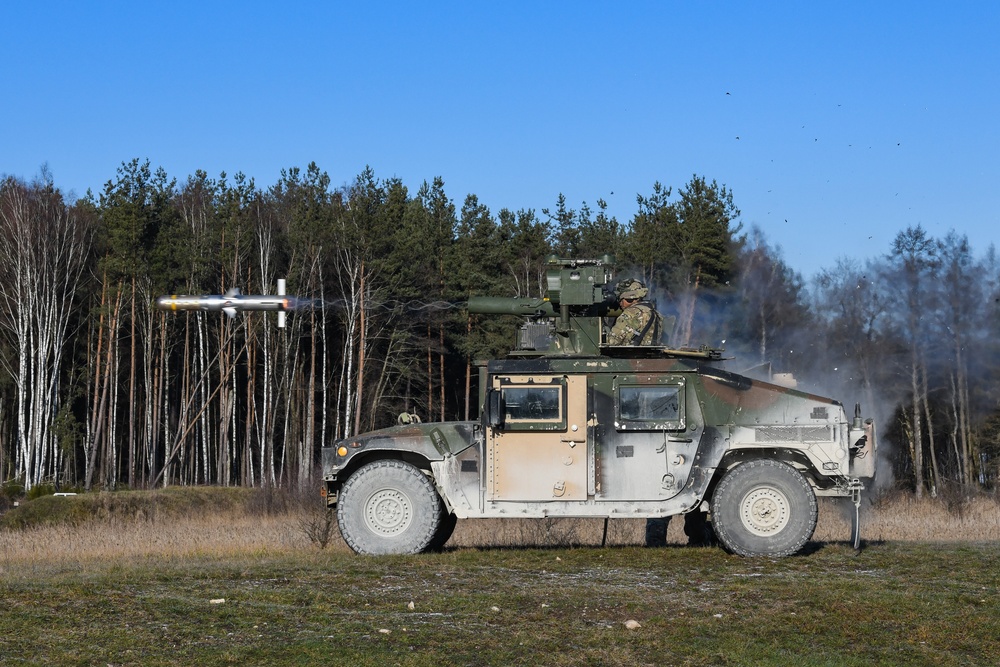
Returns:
point(602, 235)
point(566, 234)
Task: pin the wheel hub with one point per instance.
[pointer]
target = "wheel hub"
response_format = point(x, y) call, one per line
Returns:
point(764, 511)
point(388, 512)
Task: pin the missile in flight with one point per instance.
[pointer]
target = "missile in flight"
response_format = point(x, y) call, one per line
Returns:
point(232, 302)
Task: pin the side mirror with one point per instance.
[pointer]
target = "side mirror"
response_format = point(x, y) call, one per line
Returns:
point(494, 409)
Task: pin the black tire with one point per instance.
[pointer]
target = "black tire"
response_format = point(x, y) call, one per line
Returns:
point(388, 507)
point(445, 529)
point(764, 508)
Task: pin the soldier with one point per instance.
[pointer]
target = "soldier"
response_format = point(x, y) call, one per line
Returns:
point(639, 323)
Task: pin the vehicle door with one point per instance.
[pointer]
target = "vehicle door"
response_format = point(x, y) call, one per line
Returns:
point(647, 442)
point(537, 443)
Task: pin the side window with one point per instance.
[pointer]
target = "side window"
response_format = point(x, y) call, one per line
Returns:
point(649, 407)
point(651, 403)
point(533, 406)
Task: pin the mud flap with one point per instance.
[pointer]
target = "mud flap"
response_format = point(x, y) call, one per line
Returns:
point(856, 516)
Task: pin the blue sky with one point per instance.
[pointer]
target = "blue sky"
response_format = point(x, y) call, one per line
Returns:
point(835, 124)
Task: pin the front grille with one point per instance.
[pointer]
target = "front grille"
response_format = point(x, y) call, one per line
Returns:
point(794, 434)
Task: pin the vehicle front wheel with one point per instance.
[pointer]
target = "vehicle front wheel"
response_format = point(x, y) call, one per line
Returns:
point(388, 507)
point(764, 508)
point(444, 531)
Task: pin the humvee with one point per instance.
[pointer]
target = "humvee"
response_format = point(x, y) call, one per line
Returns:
point(572, 427)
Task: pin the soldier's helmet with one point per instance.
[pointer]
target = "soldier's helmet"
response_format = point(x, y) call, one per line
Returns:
point(631, 289)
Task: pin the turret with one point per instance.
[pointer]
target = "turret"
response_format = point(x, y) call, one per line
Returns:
point(567, 320)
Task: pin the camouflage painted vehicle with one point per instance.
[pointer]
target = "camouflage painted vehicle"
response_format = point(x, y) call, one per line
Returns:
point(571, 427)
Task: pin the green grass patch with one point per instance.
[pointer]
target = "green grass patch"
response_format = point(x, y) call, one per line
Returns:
point(890, 604)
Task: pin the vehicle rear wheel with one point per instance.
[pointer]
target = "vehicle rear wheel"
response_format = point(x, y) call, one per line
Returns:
point(388, 507)
point(764, 508)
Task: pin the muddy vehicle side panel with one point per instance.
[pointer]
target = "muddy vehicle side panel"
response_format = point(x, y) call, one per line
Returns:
point(765, 416)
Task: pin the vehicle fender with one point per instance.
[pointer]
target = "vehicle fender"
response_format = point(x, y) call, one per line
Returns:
point(713, 446)
point(414, 442)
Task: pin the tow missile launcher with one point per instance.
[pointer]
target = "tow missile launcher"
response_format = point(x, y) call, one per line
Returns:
point(573, 427)
point(567, 321)
point(571, 319)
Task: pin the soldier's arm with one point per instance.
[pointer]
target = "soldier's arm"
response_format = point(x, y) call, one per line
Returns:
point(622, 331)
point(616, 335)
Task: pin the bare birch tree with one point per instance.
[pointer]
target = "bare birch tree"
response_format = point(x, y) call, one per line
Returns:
point(44, 247)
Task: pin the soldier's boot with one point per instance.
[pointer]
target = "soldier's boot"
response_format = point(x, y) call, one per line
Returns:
point(656, 532)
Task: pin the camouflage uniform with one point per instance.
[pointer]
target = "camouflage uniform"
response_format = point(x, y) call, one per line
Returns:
point(632, 322)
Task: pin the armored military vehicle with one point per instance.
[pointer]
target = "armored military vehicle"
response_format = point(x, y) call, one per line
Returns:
point(572, 427)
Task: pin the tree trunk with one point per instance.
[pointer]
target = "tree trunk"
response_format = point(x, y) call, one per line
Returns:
point(130, 475)
point(430, 374)
point(441, 368)
point(362, 343)
point(925, 399)
point(917, 438)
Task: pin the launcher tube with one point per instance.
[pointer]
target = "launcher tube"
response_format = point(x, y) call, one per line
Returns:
point(490, 305)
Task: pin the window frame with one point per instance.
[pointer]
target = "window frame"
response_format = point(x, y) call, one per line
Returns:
point(558, 423)
point(651, 383)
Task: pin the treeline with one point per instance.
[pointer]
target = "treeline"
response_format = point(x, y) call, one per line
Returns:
point(102, 391)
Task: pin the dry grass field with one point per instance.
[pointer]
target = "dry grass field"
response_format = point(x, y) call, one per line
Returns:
point(213, 526)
